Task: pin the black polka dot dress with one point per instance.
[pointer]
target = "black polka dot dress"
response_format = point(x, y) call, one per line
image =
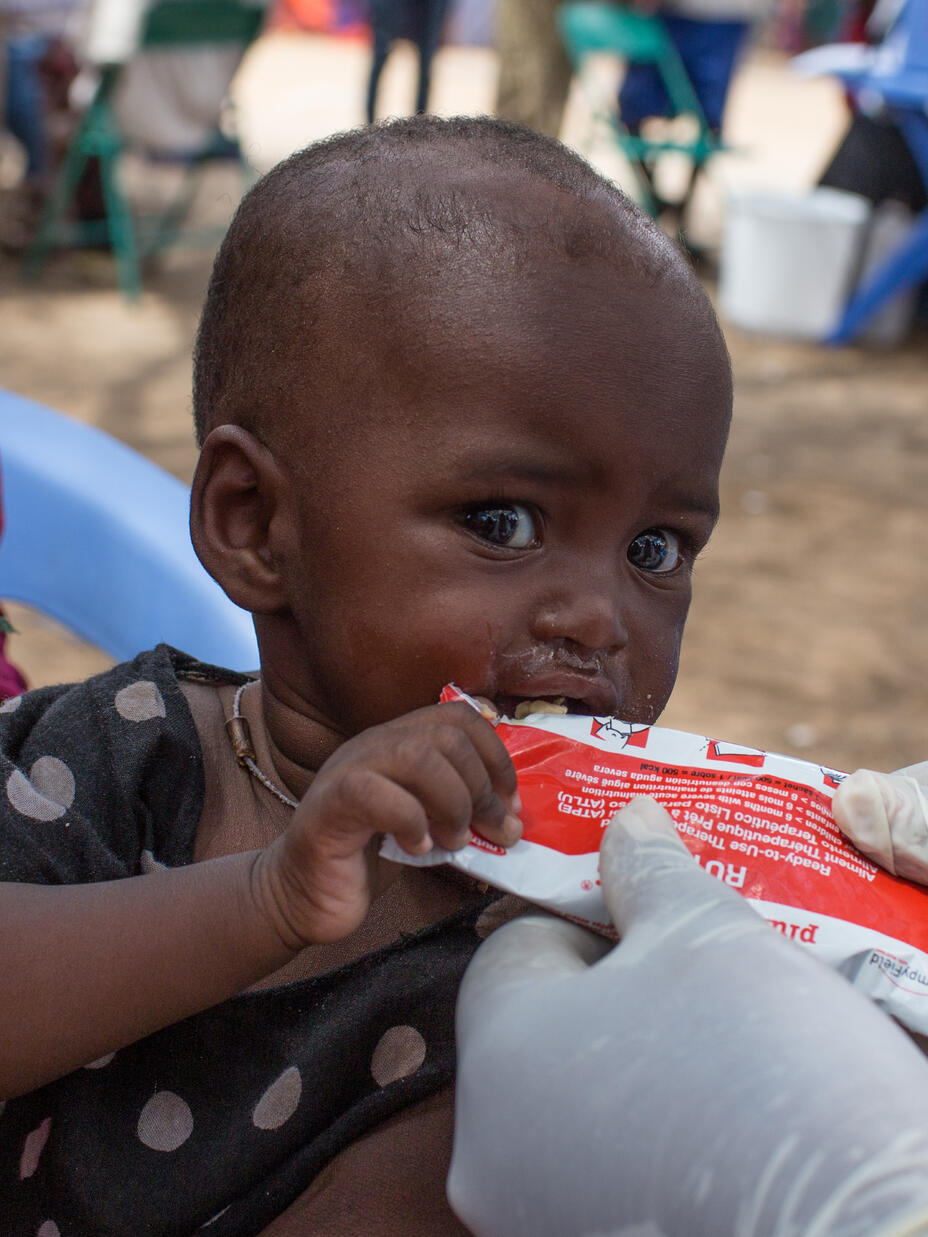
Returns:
point(218, 1123)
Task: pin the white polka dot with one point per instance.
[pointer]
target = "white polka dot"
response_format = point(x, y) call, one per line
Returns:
point(399, 1053)
point(148, 863)
point(166, 1122)
point(52, 778)
point(279, 1102)
point(46, 794)
point(100, 1061)
point(8, 706)
point(33, 1148)
point(48, 1229)
point(139, 702)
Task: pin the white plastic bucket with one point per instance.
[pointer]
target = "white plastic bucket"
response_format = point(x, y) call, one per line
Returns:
point(788, 262)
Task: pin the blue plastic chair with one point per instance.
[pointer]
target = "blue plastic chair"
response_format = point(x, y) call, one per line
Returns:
point(96, 536)
point(897, 70)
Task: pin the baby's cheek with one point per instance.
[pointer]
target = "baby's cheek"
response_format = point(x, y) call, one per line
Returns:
point(654, 672)
point(471, 650)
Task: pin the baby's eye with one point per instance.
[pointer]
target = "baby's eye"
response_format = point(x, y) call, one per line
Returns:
point(656, 550)
point(511, 525)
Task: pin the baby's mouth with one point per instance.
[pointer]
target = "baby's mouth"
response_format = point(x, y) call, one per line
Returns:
point(556, 680)
point(518, 707)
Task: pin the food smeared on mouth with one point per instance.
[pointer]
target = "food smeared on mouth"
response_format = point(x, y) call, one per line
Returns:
point(525, 708)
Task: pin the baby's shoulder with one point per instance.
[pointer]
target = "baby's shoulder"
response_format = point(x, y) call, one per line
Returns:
point(99, 779)
point(128, 705)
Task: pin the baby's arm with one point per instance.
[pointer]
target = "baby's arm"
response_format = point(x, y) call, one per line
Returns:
point(98, 966)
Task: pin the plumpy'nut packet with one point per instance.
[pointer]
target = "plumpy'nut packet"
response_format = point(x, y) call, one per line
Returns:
point(759, 822)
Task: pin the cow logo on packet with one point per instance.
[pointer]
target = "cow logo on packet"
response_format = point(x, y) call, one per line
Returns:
point(632, 735)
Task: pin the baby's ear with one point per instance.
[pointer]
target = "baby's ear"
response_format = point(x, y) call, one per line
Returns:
point(237, 490)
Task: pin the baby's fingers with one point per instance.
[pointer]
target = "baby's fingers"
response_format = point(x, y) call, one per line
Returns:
point(450, 781)
point(367, 802)
point(479, 757)
point(488, 745)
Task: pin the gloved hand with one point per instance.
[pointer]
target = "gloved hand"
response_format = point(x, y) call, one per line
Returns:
point(886, 816)
point(704, 1078)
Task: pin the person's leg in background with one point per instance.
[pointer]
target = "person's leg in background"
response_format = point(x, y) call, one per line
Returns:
point(709, 51)
point(25, 99)
point(428, 19)
point(381, 18)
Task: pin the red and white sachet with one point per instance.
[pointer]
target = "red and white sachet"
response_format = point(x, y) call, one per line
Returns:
point(757, 821)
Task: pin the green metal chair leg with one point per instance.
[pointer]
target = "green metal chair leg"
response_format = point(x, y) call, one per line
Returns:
point(168, 225)
point(122, 231)
point(55, 210)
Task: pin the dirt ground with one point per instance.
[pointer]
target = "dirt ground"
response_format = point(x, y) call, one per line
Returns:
point(808, 630)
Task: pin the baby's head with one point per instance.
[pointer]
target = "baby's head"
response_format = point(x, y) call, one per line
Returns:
point(463, 409)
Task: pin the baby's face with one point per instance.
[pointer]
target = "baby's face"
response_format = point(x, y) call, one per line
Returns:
point(521, 513)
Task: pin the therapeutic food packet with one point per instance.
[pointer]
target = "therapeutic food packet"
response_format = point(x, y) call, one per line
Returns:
point(757, 821)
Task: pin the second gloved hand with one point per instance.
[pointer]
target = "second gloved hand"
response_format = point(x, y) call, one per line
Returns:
point(704, 1078)
point(886, 816)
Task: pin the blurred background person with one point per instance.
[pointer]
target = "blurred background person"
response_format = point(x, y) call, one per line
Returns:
point(30, 28)
point(710, 37)
point(34, 34)
point(421, 22)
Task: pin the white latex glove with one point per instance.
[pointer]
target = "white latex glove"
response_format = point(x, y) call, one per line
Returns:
point(886, 816)
point(704, 1078)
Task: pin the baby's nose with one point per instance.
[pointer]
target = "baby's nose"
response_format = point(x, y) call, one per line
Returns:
point(588, 614)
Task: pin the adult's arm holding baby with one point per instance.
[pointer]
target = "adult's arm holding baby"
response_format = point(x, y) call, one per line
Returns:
point(886, 816)
point(704, 1076)
point(102, 964)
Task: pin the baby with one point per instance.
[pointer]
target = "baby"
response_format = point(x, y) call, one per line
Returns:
point(462, 410)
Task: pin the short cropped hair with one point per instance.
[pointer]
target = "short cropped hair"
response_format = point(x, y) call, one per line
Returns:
point(359, 209)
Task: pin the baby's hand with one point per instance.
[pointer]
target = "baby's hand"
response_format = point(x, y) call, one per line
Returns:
point(426, 778)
